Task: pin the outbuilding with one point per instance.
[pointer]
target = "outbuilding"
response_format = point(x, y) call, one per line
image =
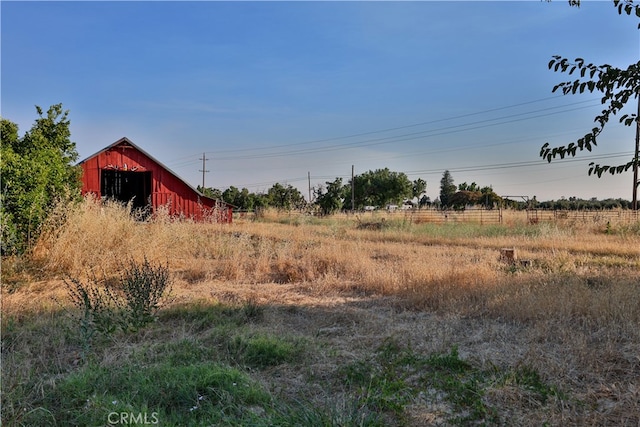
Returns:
point(124, 172)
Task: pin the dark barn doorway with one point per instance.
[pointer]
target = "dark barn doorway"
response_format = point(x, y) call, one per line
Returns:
point(125, 186)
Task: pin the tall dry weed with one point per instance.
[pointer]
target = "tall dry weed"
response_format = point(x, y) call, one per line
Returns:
point(101, 234)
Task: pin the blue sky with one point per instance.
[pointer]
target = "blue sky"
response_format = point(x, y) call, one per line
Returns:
point(272, 91)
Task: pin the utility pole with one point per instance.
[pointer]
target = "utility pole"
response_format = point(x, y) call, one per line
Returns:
point(634, 202)
point(203, 170)
point(353, 191)
point(309, 176)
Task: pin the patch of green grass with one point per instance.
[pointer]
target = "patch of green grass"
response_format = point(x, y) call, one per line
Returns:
point(175, 395)
point(380, 383)
point(396, 375)
point(10, 327)
point(180, 382)
point(448, 362)
point(357, 373)
point(530, 380)
point(263, 351)
point(203, 315)
point(463, 386)
point(173, 380)
point(199, 394)
point(221, 334)
point(185, 352)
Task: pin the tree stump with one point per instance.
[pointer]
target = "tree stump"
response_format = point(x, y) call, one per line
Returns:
point(508, 255)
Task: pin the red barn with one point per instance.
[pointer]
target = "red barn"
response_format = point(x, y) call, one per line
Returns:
point(124, 172)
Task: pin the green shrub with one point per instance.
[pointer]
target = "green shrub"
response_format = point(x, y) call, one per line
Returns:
point(98, 306)
point(263, 351)
point(144, 288)
point(37, 170)
point(131, 303)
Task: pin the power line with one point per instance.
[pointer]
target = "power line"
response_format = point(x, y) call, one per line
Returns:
point(435, 151)
point(389, 139)
point(411, 136)
point(399, 127)
point(520, 164)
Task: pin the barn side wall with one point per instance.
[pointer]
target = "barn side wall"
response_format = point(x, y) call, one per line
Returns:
point(167, 189)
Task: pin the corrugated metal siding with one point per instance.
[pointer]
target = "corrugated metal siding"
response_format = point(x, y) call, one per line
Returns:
point(167, 189)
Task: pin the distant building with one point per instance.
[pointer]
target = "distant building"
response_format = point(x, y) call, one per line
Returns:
point(124, 172)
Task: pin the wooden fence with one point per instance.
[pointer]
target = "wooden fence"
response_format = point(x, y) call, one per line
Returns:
point(613, 216)
point(419, 216)
point(480, 216)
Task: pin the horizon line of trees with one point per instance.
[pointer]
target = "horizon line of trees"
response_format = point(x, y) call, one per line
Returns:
point(570, 204)
point(381, 188)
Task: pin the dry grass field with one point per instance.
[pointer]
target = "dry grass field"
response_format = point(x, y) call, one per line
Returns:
point(334, 321)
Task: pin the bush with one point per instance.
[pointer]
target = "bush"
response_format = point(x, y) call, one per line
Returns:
point(130, 304)
point(144, 287)
point(37, 169)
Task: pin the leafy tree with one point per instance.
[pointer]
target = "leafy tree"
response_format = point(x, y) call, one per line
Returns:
point(464, 198)
point(288, 197)
point(447, 189)
point(37, 170)
point(259, 201)
point(489, 198)
point(419, 187)
point(245, 200)
point(9, 133)
point(379, 188)
point(242, 199)
point(617, 86)
point(11, 166)
point(466, 187)
point(331, 200)
point(574, 203)
point(214, 193)
point(472, 194)
point(230, 195)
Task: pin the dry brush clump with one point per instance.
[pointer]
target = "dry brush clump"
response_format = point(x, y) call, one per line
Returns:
point(100, 234)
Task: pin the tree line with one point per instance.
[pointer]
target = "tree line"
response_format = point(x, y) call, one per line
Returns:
point(381, 188)
point(377, 188)
point(569, 204)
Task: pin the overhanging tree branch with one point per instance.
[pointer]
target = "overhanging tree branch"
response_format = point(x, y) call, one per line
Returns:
point(617, 86)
